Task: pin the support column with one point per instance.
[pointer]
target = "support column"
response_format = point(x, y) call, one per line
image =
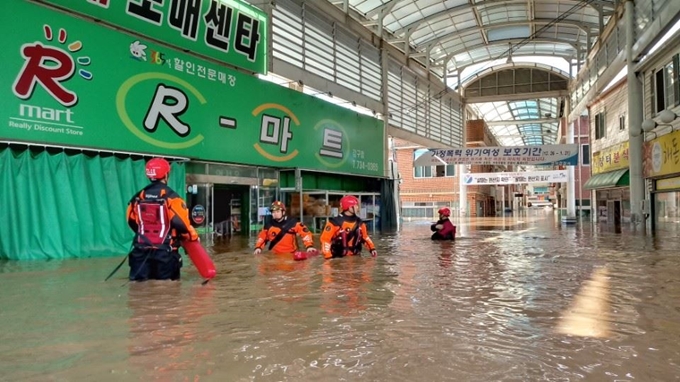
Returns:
point(462, 191)
point(570, 218)
point(299, 187)
point(635, 100)
point(269, 9)
point(388, 158)
point(384, 61)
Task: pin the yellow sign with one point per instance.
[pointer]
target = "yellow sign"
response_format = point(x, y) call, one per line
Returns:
point(668, 184)
point(663, 155)
point(610, 159)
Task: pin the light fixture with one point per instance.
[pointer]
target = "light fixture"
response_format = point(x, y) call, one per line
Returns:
point(666, 117)
point(648, 125)
point(509, 61)
point(328, 94)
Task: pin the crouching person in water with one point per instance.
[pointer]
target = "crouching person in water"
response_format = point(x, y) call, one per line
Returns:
point(344, 234)
point(160, 220)
point(443, 229)
point(280, 233)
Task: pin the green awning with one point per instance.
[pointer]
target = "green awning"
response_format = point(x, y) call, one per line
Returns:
point(611, 179)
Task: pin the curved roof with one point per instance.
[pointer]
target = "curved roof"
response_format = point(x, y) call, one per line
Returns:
point(519, 133)
point(461, 33)
point(511, 65)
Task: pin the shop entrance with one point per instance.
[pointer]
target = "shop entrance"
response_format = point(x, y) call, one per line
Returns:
point(230, 206)
point(218, 210)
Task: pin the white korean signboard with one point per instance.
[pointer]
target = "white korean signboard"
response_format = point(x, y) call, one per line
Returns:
point(557, 176)
point(510, 155)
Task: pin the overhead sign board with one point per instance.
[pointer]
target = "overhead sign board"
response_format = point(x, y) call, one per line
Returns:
point(509, 155)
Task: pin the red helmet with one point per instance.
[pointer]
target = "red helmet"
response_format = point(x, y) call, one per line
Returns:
point(348, 201)
point(157, 168)
point(445, 211)
point(277, 205)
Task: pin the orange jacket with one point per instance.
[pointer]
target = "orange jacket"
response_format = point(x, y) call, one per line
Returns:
point(178, 214)
point(356, 234)
point(288, 243)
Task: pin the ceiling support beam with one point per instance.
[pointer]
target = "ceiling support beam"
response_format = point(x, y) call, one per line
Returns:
point(517, 97)
point(511, 122)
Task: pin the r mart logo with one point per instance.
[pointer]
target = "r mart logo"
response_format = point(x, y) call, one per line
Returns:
point(51, 67)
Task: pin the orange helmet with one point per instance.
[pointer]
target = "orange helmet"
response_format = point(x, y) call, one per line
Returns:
point(277, 205)
point(157, 168)
point(348, 201)
point(445, 211)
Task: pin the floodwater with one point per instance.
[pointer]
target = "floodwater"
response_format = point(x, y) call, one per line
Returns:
point(514, 299)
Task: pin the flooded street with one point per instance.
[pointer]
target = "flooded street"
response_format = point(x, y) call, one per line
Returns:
point(513, 299)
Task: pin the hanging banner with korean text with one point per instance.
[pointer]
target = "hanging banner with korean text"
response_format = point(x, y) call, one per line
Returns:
point(509, 155)
point(610, 159)
point(557, 176)
point(230, 31)
point(661, 156)
point(71, 82)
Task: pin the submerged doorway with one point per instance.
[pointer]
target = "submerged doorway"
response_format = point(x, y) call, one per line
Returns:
point(230, 206)
point(226, 200)
point(219, 210)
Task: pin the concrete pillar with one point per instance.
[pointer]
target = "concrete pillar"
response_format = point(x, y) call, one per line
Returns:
point(299, 187)
point(635, 101)
point(462, 190)
point(390, 166)
point(384, 60)
point(570, 218)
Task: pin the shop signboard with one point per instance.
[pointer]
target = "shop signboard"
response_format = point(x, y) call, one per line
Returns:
point(229, 31)
point(509, 155)
point(668, 184)
point(610, 159)
point(71, 82)
point(662, 156)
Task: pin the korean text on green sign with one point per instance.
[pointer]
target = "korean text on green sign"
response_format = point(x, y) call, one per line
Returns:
point(75, 83)
point(230, 31)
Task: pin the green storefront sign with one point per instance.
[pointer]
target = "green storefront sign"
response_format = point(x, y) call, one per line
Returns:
point(70, 82)
point(230, 31)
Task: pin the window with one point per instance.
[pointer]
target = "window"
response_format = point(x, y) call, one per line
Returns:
point(659, 87)
point(451, 170)
point(434, 171)
point(585, 155)
point(666, 86)
point(600, 126)
point(422, 172)
point(669, 80)
point(622, 122)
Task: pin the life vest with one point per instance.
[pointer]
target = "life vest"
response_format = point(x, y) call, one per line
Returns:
point(153, 225)
point(341, 246)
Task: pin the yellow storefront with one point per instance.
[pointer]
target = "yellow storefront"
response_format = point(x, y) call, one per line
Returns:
point(662, 167)
point(611, 183)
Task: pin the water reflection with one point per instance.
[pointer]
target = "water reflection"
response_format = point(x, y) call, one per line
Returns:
point(511, 299)
point(345, 284)
point(165, 332)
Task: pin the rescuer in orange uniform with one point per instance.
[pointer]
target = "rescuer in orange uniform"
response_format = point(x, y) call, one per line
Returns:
point(345, 233)
point(160, 220)
point(280, 233)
